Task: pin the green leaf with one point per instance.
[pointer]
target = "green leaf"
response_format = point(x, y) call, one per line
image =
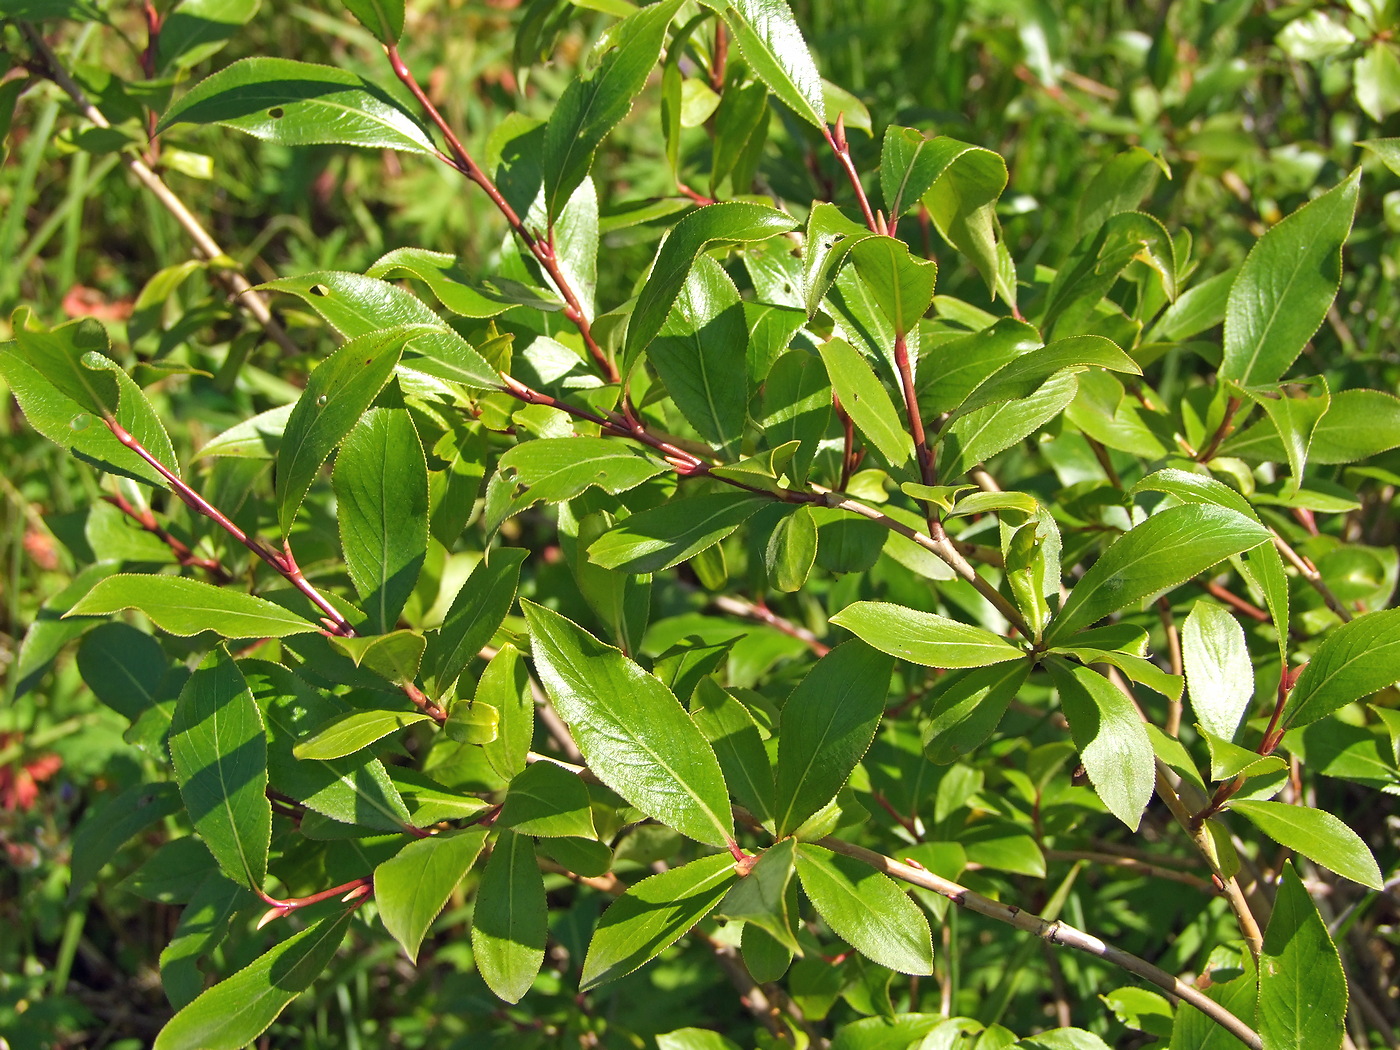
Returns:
point(112, 822)
point(693, 1039)
point(219, 748)
point(123, 667)
point(1302, 987)
point(1286, 286)
point(412, 887)
point(353, 790)
point(196, 29)
point(1095, 263)
point(701, 354)
point(383, 18)
point(1317, 835)
point(1354, 660)
point(977, 436)
point(1165, 550)
point(557, 469)
point(761, 897)
point(1218, 668)
point(185, 607)
point(1377, 77)
point(66, 386)
point(381, 493)
point(477, 611)
point(866, 401)
point(924, 638)
point(901, 284)
point(1388, 150)
point(352, 731)
point(726, 222)
point(968, 707)
point(394, 657)
point(511, 920)
point(1358, 425)
point(732, 731)
point(669, 534)
point(772, 45)
point(549, 801)
point(337, 394)
point(796, 407)
point(505, 685)
point(299, 104)
point(448, 281)
point(652, 915)
point(961, 200)
point(591, 107)
point(866, 909)
point(361, 306)
point(828, 724)
point(1025, 374)
point(1112, 741)
point(236, 1011)
point(791, 550)
point(633, 733)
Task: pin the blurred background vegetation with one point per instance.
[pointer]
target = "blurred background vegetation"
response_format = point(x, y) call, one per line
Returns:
point(1249, 107)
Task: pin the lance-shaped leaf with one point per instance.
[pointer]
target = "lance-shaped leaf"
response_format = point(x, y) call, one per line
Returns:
point(828, 724)
point(1359, 424)
point(1317, 835)
point(412, 887)
point(669, 534)
point(1165, 550)
point(701, 354)
point(1353, 661)
point(924, 638)
point(734, 734)
point(591, 107)
point(185, 607)
point(337, 394)
point(381, 494)
point(866, 909)
point(219, 749)
point(110, 824)
point(653, 915)
point(383, 18)
point(632, 731)
point(979, 435)
point(961, 200)
point(1218, 668)
point(196, 29)
point(299, 104)
point(359, 306)
point(350, 731)
point(762, 898)
point(1024, 374)
point(548, 801)
point(791, 550)
point(1094, 264)
point(352, 790)
point(448, 281)
point(1302, 987)
point(866, 401)
point(476, 612)
point(796, 407)
point(728, 221)
point(505, 685)
point(556, 469)
point(968, 707)
point(511, 920)
point(236, 1011)
point(901, 285)
point(772, 45)
point(1112, 741)
point(1285, 287)
point(66, 386)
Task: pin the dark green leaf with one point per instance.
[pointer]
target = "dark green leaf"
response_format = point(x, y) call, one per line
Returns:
point(733, 733)
point(667, 535)
point(924, 638)
point(383, 18)
point(1112, 742)
point(791, 550)
point(1302, 988)
point(1315, 834)
point(761, 897)
point(1165, 550)
point(394, 657)
point(123, 667)
point(727, 222)
point(219, 748)
point(828, 723)
point(866, 909)
point(1285, 287)
point(1358, 425)
point(196, 29)
point(1354, 660)
point(477, 612)
point(448, 281)
point(299, 104)
point(412, 887)
point(111, 823)
point(511, 919)
point(1026, 373)
point(652, 915)
point(901, 285)
point(701, 354)
point(979, 435)
point(185, 607)
point(236, 1011)
point(796, 407)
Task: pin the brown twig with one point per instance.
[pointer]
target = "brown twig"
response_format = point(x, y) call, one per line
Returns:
point(186, 557)
point(753, 611)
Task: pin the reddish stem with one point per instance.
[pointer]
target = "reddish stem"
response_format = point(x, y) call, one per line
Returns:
point(837, 141)
point(356, 890)
point(541, 248)
point(1227, 424)
point(186, 557)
